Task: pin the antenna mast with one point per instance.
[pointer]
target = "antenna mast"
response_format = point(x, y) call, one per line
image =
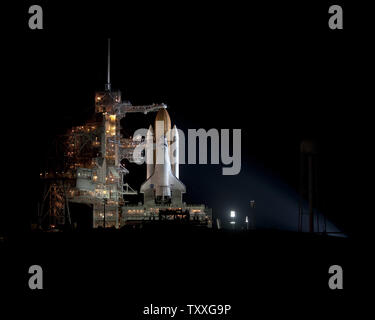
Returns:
point(108, 84)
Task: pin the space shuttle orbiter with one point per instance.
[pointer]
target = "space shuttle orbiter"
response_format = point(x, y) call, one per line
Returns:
point(162, 185)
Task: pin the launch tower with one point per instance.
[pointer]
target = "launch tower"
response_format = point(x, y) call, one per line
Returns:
point(91, 171)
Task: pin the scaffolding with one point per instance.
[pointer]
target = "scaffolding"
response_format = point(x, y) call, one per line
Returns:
point(86, 165)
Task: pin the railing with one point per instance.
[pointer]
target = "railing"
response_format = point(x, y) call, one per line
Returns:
point(123, 108)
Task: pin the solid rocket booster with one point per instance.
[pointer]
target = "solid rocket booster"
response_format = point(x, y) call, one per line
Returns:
point(162, 176)
point(175, 157)
point(149, 152)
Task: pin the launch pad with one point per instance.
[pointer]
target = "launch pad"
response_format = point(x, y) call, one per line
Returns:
point(88, 168)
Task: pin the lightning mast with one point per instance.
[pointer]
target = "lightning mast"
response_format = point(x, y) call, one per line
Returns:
point(108, 84)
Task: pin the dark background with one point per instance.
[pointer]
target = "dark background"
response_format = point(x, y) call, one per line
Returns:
point(273, 69)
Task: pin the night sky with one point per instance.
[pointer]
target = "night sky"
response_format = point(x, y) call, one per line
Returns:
point(277, 73)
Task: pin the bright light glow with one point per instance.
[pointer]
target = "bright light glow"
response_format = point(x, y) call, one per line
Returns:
point(247, 219)
point(232, 222)
point(233, 214)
